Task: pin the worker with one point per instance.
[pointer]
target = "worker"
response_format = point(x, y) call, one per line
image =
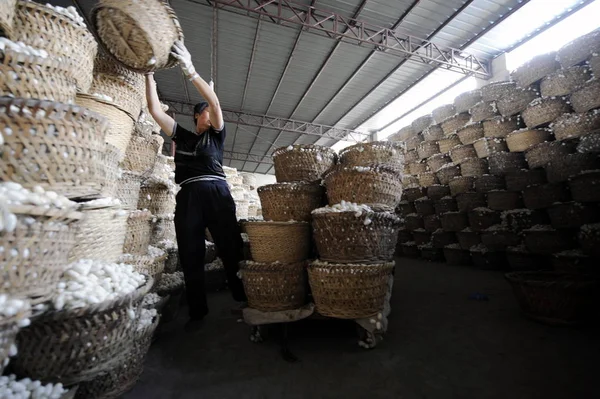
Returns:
point(204, 200)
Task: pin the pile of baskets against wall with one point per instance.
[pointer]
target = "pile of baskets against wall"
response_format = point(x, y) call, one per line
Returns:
point(508, 177)
point(85, 202)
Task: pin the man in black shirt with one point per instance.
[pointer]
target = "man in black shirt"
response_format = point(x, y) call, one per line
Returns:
point(204, 200)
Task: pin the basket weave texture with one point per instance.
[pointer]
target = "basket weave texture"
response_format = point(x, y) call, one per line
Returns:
point(572, 215)
point(378, 152)
point(128, 189)
point(483, 110)
point(290, 201)
point(487, 183)
point(139, 228)
point(100, 235)
point(98, 335)
point(535, 69)
point(421, 123)
point(500, 127)
point(494, 91)
point(41, 241)
point(284, 242)
point(141, 155)
point(520, 180)
point(7, 13)
point(476, 167)
point(579, 49)
point(522, 140)
point(349, 291)
point(448, 143)
point(515, 101)
point(469, 201)
point(576, 125)
point(452, 124)
point(443, 112)
point(462, 152)
point(437, 161)
point(428, 149)
point(461, 184)
point(542, 154)
point(56, 146)
point(571, 165)
point(302, 163)
point(41, 27)
point(544, 195)
point(585, 186)
point(564, 82)
point(341, 237)
point(373, 185)
point(502, 163)
point(428, 179)
point(127, 93)
point(163, 229)
point(482, 218)
point(433, 133)
point(158, 199)
point(146, 264)
point(465, 101)
point(112, 157)
point(149, 28)
point(544, 111)
point(9, 328)
point(587, 97)
point(470, 133)
point(273, 287)
point(454, 221)
point(487, 146)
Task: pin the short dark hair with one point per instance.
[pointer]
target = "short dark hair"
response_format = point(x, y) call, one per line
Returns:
point(198, 108)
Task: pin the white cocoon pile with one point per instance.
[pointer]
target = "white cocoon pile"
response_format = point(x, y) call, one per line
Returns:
point(11, 388)
point(155, 252)
point(151, 299)
point(146, 318)
point(358, 209)
point(87, 282)
point(69, 12)
point(22, 48)
point(10, 307)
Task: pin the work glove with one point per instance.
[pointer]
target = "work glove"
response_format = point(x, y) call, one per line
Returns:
point(185, 58)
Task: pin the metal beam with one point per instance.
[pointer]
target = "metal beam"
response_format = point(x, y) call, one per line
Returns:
point(238, 156)
point(357, 32)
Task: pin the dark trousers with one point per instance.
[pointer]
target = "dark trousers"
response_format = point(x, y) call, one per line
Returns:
point(200, 205)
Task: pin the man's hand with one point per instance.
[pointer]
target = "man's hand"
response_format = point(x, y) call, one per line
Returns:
point(185, 58)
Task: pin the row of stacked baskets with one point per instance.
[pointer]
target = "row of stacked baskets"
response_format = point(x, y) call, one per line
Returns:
point(86, 209)
point(508, 176)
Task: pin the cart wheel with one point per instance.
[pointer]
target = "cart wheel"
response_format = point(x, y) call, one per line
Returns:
point(255, 335)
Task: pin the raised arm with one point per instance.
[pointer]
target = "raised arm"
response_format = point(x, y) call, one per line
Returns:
point(165, 122)
point(185, 61)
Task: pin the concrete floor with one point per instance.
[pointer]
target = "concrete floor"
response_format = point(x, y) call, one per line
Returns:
point(439, 344)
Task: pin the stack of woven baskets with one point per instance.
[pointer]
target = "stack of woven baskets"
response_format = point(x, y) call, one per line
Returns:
point(514, 180)
point(243, 191)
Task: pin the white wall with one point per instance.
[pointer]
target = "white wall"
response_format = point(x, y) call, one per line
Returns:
point(263, 180)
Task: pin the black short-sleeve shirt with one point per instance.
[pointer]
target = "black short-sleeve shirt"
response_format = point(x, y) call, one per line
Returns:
point(198, 154)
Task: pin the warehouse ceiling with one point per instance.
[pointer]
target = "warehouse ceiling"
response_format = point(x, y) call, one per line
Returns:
point(288, 71)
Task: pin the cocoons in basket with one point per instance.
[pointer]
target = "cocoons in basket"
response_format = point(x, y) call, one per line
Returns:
point(11, 388)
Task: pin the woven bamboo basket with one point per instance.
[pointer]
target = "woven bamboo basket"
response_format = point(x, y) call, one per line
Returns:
point(448, 144)
point(416, 168)
point(404, 235)
point(575, 262)
point(523, 219)
point(443, 112)
point(146, 264)
point(413, 222)
point(470, 133)
point(414, 193)
point(535, 69)
point(404, 133)
point(53, 145)
point(437, 161)
point(422, 123)
point(377, 152)
point(503, 200)
point(163, 229)
point(9, 328)
point(455, 255)
point(520, 180)
point(141, 155)
point(573, 215)
point(344, 238)
point(516, 101)
point(542, 154)
point(410, 249)
point(590, 143)
point(498, 238)
point(543, 111)
point(172, 263)
point(475, 167)
point(158, 199)
point(120, 125)
point(522, 140)
point(469, 201)
point(544, 195)
point(437, 192)
point(446, 173)
point(462, 184)
point(374, 185)
point(571, 165)
point(500, 127)
point(41, 27)
point(433, 133)
point(126, 94)
point(483, 218)
point(410, 181)
point(431, 223)
point(483, 110)
point(485, 259)
point(122, 378)
point(587, 97)
point(285, 242)
point(594, 62)
point(462, 152)
point(428, 149)
point(585, 186)
point(290, 201)
point(440, 238)
point(487, 146)
point(98, 335)
point(454, 221)
point(405, 208)
point(431, 254)
point(446, 204)
point(465, 101)
point(149, 29)
point(128, 189)
point(27, 76)
point(35, 253)
point(303, 162)
point(101, 234)
point(112, 157)
point(274, 287)
point(468, 239)
point(545, 240)
point(411, 156)
point(349, 291)
point(428, 179)
point(565, 81)
point(589, 239)
point(576, 125)
point(7, 13)
point(579, 49)
point(139, 228)
point(494, 91)
point(412, 143)
point(487, 183)
point(555, 298)
point(502, 163)
point(424, 206)
point(452, 124)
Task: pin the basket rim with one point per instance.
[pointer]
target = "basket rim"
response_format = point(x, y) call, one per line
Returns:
point(34, 210)
point(292, 184)
point(295, 147)
point(104, 102)
point(10, 56)
point(273, 223)
point(316, 264)
point(355, 147)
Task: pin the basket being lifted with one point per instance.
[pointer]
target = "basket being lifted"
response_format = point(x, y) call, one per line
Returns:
point(350, 233)
point(290, 201)
point(302, 162)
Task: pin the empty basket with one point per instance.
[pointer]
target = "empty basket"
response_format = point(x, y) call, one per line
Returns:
point(285, 242)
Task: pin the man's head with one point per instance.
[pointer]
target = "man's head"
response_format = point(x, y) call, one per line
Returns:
point(201, 117)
